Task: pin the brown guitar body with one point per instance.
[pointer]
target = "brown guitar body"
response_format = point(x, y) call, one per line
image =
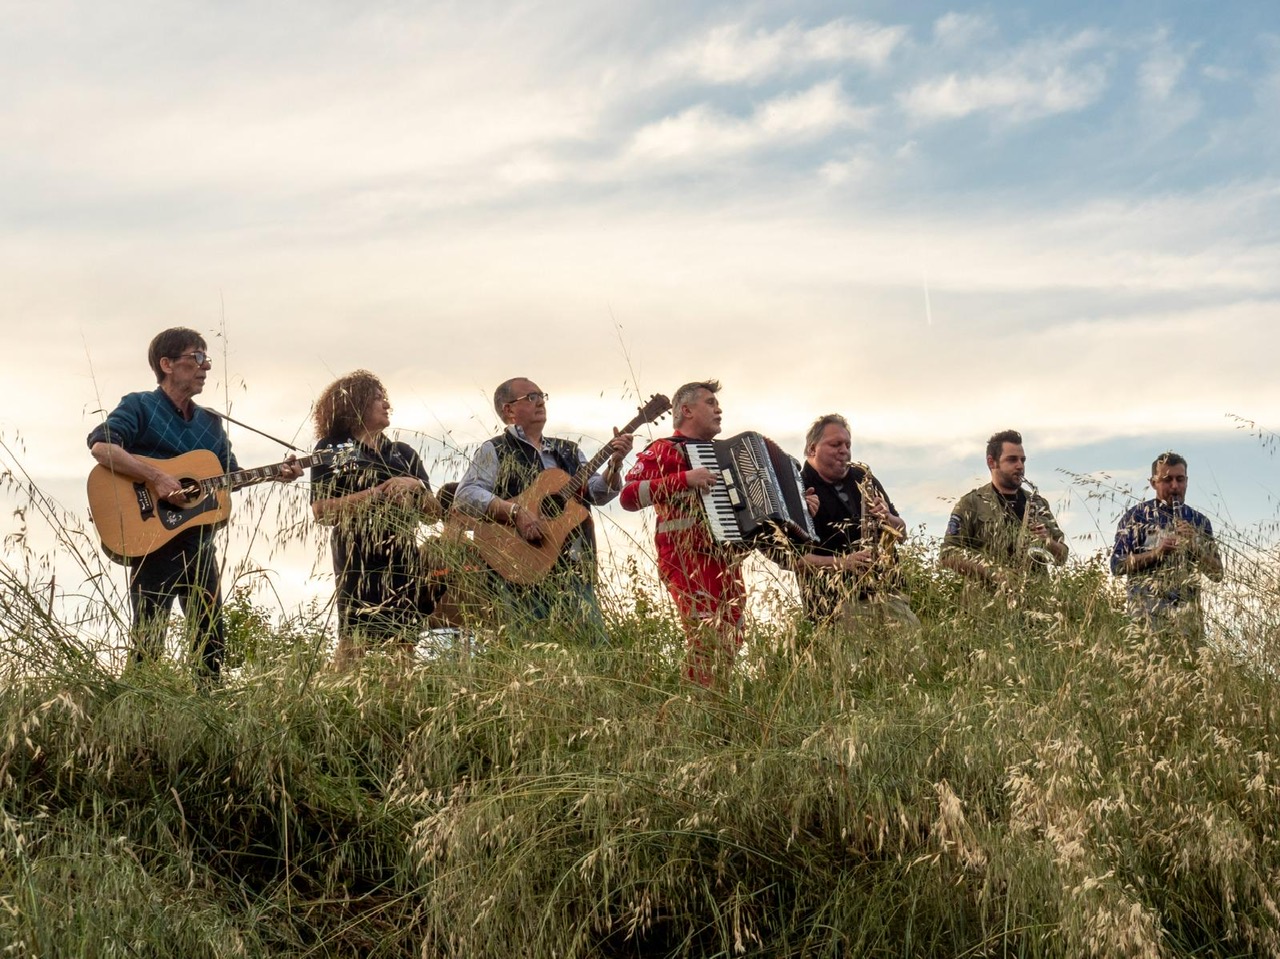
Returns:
point(132, 521)
point(515, 559)
point(554, 498)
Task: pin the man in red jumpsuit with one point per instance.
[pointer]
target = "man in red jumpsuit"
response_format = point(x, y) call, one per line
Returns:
point(703, 576)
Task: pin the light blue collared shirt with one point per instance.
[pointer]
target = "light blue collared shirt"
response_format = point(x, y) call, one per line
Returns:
point(475, 490)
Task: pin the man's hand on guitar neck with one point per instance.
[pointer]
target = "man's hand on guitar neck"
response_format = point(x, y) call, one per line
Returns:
point(289, 470)
point(619, 447)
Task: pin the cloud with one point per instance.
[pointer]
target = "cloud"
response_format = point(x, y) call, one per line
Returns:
point(704, 132)
point(961, 29)
point(850, 168)
point(1166, 107)
point(1220, 74)
point(1161, 70)
point(730, 53)
point(1040, 79)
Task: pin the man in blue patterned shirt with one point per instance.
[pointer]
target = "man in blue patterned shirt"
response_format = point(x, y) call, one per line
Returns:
point(162, 424)
point(1163, 546)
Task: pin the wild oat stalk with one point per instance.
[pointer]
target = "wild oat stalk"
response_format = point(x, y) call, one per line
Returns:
point(1041, 780)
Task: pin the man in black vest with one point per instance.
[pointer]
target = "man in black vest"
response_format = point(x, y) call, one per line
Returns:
point(849, 574)
point(503, 468)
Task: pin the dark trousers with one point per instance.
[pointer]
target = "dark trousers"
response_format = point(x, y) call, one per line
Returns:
point(385, 592)
point(185, 569)
point(566, 600)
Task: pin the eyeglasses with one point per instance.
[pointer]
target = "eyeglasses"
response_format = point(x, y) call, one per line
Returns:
point(534, 397)
point(200, 356)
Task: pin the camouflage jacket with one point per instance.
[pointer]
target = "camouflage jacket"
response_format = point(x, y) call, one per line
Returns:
point(984, 526)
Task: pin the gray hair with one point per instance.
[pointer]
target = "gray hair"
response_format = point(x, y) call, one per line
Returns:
point(820, 426)
point(687, 394)
point(504, 394)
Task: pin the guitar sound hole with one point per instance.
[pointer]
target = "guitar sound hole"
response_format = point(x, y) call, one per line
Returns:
point(552, 506)
point(190, 493)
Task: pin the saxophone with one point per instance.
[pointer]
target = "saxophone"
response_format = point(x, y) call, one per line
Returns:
point(1035, 553)
point(879, 537)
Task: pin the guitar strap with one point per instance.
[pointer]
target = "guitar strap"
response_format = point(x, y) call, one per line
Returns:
point(252, 429)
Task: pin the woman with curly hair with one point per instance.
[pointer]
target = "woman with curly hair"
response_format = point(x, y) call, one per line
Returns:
point(374, 503)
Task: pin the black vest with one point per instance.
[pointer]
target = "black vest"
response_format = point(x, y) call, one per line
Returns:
point(519, 464)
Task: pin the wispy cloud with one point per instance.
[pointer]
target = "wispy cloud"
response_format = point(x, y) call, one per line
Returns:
point(1039, 79)
point(961, 29)
point(1161, 70)
point(734, 53)
point(849, 168)
point(704, 132)
point(1166, 102)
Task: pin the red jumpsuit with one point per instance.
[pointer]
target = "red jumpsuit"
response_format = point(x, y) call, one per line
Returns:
point(704, 577)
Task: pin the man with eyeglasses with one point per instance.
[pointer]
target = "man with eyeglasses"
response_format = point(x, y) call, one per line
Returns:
point(503, 468)
point(162, 424)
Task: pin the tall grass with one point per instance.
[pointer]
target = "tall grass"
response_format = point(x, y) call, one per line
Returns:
point(1039, 780)
point(1036, 781)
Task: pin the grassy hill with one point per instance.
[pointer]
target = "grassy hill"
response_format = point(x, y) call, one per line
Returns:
point(1037, 781)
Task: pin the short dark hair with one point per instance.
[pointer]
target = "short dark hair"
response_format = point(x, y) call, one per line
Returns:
point(820, 426)
point(1167, 458)
point(687, 393)
point(339, 410)
point(995, 445)
point(504, 394)
point(170, 344)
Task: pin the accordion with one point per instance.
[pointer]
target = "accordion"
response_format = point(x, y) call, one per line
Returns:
point(759, 496)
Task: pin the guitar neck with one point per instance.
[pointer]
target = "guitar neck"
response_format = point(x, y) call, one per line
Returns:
point(583, 476)
point(657, 405)
point(588, 470)
point(250, 477)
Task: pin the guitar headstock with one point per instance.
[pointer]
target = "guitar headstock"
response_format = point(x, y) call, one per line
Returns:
point(337, 456)
point(654, 410)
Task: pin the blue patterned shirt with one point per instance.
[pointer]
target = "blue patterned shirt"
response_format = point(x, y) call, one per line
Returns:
point(148, 424)
point(1171, 582)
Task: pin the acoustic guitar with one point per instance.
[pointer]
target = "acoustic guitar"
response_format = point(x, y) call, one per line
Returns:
point(133, 521)
point(555, 497)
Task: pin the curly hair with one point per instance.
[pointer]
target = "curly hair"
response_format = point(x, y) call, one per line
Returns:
point(339, 410)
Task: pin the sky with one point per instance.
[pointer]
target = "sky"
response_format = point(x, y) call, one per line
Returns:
point(1059, 218)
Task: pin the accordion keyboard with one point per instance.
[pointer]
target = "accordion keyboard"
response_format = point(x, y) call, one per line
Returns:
point(758, 492)
point(723, 500)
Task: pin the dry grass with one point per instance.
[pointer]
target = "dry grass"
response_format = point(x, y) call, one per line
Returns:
point(1035, 781)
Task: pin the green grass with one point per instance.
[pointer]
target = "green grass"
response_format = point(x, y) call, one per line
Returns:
point(1037, 781)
